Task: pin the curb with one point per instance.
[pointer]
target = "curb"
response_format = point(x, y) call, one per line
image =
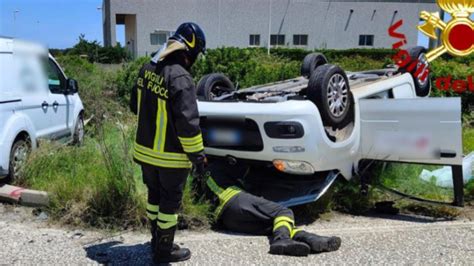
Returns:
point(22, 196)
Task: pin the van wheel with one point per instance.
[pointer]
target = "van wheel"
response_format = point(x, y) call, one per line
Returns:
point(21, 148)
point(78, 137)
point(214, 85)
point(311, 62)
point(328, 88)
point(418, 55)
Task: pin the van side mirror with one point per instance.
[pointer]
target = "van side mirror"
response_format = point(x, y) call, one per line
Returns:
point(72, 86)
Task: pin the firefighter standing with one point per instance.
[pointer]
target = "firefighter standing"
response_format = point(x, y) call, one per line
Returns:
point(168, 141)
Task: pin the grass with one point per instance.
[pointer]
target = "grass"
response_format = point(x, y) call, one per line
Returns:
point(405, 178)
point(97, 184)
point(93, 184)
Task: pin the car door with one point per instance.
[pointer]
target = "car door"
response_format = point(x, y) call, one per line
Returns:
point(58, 101)
point(420, 130)
point(33, 92)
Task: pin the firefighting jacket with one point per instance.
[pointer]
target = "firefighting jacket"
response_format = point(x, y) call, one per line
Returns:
point(168, 132)
point(220, 185)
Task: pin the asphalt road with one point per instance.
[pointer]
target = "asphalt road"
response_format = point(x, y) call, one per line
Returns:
point(28, 239)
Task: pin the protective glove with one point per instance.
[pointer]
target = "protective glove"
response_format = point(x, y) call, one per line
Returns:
point(199, 161)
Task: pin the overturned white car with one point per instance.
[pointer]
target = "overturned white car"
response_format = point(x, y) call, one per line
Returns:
point(328, 120)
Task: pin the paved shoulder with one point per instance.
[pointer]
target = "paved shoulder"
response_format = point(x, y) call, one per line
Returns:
point(366, 240)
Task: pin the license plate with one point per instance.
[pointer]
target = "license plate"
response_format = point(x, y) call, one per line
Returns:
point(224, 137)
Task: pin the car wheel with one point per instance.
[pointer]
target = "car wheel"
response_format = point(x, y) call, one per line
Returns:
point(311, 62)
point(18, 155)
point(78, 137)
point(328, 88)
point(214, 85)
point(418, 55)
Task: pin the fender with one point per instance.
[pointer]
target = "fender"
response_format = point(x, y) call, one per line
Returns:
point(15, 124)
point(78, 108)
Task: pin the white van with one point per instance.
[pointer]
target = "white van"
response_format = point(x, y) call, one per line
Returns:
point(37, 100)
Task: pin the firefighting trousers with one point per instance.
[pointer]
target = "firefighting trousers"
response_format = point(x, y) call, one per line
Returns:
point(165, 192)
point(246, 213)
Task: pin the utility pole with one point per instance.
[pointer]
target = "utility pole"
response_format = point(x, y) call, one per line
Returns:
point(269, 25)
point(14, 21)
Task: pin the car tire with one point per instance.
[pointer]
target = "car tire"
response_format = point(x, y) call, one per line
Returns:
point(78, 136)
point(311, 62)
point(418, 54)
point(213, 85)
point(328, 88)
point(19, 152)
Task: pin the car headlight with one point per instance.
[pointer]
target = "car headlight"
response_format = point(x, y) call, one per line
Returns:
point(293, 167)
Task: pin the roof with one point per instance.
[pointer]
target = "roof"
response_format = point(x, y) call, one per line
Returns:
point(9, 45)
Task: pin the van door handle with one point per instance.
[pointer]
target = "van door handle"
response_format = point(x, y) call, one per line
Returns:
point(55, 104)
point(44, 105)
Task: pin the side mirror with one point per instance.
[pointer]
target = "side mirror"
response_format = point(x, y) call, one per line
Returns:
point(72, 86)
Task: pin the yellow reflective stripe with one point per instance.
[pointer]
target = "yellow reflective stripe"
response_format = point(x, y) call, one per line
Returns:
point(197, 141)
point(152, 208)
point(157, 125)
point(162, 154)
point(161, 125)
point(159, 162)
point(166, 221)
point(167, 217)
point(139, 100)
point(214, 187)
point(195, 148)
point(164, 126)
point(283, 223)
point(294, 231)
point(225, 196)
point(190, 140)
point(284, 218)
point(166, 225)
point(151, 216)
point(192, 144)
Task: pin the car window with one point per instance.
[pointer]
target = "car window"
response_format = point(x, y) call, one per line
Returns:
point(56, 80)
point(30, 74)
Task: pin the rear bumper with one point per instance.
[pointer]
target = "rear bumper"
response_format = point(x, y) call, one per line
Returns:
point(313, 147)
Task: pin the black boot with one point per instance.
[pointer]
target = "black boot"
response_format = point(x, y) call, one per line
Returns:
point(164, 251)
point(318, 243)
point(282, 244)
point(153, 228)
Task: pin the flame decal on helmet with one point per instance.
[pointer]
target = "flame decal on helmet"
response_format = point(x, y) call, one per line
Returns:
point(192, 43)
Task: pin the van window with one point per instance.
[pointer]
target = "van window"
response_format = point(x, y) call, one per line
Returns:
point(56, 80)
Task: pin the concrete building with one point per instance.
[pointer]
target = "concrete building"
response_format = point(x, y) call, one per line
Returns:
point(338, 24)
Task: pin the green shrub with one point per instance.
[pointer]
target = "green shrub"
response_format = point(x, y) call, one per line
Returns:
point(126, 77)
point(456, 69)
point(97, 53)
point(98, 88)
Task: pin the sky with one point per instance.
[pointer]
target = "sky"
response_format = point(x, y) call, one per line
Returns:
point(58, 23)
point(55, 23)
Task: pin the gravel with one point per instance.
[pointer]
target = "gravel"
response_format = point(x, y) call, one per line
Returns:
point(366, 240)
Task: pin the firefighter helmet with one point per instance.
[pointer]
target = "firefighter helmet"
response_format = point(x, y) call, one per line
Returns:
point(192, 36)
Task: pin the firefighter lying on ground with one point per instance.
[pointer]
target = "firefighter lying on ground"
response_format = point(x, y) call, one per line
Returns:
point(168, 138)
point(240, 211)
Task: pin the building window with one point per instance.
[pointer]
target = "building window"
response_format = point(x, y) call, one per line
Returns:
point(300, 39)
point(254, 40)
point(158, 38)
point(366, 40)
point(277, 39)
